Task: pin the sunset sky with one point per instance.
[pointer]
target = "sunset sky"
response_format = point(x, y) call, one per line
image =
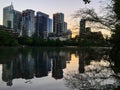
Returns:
point(68, 7)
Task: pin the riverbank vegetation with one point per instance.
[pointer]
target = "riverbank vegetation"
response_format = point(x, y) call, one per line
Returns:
point(7, 38)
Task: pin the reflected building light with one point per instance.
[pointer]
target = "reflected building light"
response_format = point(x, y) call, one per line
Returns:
point(57, 71)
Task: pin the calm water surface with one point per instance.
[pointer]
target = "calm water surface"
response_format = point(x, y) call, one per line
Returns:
point(55, 69)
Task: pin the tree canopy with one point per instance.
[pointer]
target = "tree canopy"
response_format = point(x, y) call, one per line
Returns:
point(7, 38)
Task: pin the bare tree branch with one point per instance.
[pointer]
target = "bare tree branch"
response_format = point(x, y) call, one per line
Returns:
point(86, 1)
point(109, 20)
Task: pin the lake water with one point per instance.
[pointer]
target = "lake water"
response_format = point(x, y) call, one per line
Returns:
point(56, 69)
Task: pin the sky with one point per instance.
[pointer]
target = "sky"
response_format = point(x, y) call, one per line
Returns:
point(68, 7)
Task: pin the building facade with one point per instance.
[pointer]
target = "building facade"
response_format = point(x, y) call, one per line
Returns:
point(8, 16)
point(58, 23)
point(82, 26)
point(17, 21)
point(28, 23)
point(41, 25)
point(65, 26)
point(49, 26)
point(12, 19)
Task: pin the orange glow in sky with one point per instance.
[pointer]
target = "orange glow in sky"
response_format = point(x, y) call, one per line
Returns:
point(68, 7)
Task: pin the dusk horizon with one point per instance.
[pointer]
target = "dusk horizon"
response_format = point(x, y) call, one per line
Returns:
point(60, 45)
point(51, 7)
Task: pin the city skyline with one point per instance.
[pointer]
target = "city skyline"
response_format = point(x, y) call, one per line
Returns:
point(50, 7)
point(39, 25)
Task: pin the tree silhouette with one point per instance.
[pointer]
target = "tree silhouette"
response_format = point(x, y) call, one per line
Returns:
point(86, 1)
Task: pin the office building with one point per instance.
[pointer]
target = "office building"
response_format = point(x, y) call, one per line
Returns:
point(8, 16)
point(17, 21)
point(82, 26)
point(12, 19)
point(49, 28)
point(65, 26)
point(58, 23)
point(28, 23)
point(41, 25)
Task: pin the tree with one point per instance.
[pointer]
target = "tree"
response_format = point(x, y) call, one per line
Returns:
point(105, 21)
point(86, 1)
point(116, 16)
point(7, 38)
point(25, 40)
point(115, 52)
point(94, 72)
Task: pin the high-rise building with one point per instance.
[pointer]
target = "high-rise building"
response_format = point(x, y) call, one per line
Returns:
point(58, 23)
point(28, 23)
point(82, 26)
point(41, 25)
point(17, 21)
point(49, 28)
point(8, 16)
point(12, 18)
point(65, 26)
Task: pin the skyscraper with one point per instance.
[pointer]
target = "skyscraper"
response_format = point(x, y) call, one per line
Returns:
point(28, 23)
point(82, 26)
point(49, 26)
point(8, 16)
point(58, 23)
point(12, 18)
point(41, 25)
point(17, 21)
point(65, 26)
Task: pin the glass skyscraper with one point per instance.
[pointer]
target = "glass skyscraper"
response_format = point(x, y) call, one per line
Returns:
point(65, 26)
point(12, 19)
point(17, 21)
point(49, 28)
point(58, 23)
point(8, 16)
point(41, 25)
point(28, 23)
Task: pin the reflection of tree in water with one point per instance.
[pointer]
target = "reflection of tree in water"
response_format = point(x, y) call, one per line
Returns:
point(97, 76)
point(85, 57)
point(95, 73)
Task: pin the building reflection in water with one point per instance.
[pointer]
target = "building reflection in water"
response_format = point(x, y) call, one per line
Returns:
point(95, 72)
point(59, 63)
point(92, 68)
point(85, 57)
point(35, 64)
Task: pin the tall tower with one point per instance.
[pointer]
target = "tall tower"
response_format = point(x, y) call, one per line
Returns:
point(28, 22)
point(41, 25)
point(8, 16)
point(12, 18)
point(49, 27)
point(17, 21)
point(58, 23)
point(65, 26)
point(82, 26)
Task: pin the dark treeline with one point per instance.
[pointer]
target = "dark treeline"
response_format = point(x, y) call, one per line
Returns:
point(7, 38)
point(115, 39)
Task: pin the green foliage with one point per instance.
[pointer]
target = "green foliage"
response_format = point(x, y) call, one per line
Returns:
point(25, 40)
point(7, 38)
point(46, 42)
